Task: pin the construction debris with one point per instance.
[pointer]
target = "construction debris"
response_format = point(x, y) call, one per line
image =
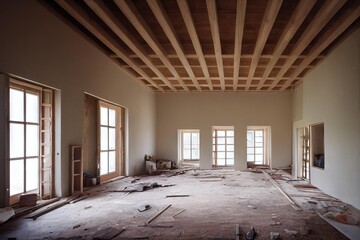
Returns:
point(178, 212)
point(156, 215)
point(290, 232)
point(177, 195)
point(140, 187)
point(210, 179)
point(144, 208)
point(28, 200)
point(251, 234)
point(107, 233)
point(342, 218)
point(156, 226)
point(274, 235)
point(6, 214)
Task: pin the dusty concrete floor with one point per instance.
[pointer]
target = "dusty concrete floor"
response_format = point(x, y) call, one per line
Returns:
point(212, 210)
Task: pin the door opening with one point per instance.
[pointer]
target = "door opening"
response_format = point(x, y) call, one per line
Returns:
point(258, 145)
point(223, 146)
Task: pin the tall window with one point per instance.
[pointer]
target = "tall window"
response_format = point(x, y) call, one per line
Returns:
point(255, 146)
point(190, 144)
point(223, 146)
point(24, 139)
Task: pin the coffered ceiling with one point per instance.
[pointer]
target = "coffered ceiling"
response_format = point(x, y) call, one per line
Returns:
point(213, 45)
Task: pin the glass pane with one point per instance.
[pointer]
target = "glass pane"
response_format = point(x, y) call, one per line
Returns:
point(195, 154)
point(32, 174)
point(32, 140)
point(112, 139)
point(250, 158)
point(112, 117)
point(258, 133)
point(230, 155)
point(230, 148)
point(16, 105)
point(112, 161)
point(258, 150)
point(259, 159)
point(250, 150)
point(103, 116)
point(16, 140)
point(221, 148)
point(250, 138)
point(221, 133)
point(230, 162)
point(16, 177)
point(260, 144)
point(187, 137)
point(230, 133)
point(103, 163)
point(221, 162)
point(258, 139)
point(221, 141)
point(230, 140)
point(186, 154)
point(195, 138)
point(32, 108)
point(104, 138)
point(220, 154)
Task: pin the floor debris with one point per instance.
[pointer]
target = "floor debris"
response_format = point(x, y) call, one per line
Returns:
point(181, 211)
point(290, 232)
point(140, 187)
point(158, 214)
point(6, 214)
point(177, 195)
point(274, 235)
point(144, 208)
point(251, 234)
point(108, 233)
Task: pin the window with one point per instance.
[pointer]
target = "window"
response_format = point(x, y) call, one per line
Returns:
point(255, 146)
point(223, 146)
point(189, 144)
point(110, 141)
point(317, 145)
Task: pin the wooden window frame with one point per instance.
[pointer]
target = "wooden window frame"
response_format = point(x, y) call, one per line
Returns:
point(192, 148)
point(215, 146)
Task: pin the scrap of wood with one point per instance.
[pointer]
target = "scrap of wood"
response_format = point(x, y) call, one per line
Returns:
point(178, 212)
point(156, 226)
point(293, 204)
point(79, 199)
point(37, 214)
point(156, 215)
point(25, 210)
point(178, 195)
point(210, 179)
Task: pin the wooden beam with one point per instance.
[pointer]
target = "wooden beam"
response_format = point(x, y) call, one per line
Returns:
point(132, 14)
point(239, 30)
point(164, 21)
point(323, 16)
point(271, 12)
point(214, 26)
point(325, 40)
point(294, 23)
point(189, 22)
point(84, 20)
point(109, 19)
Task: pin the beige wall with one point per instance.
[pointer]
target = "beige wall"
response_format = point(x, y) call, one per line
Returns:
point(331, 94)
point(35, 44)
point(202, 111)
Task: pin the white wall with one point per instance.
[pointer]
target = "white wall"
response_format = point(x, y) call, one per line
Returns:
point(36, 45)
point(204, 110)
point(331, 94)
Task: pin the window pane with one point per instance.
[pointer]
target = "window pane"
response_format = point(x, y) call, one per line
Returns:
point(230, 148)
point(258, 150)
point(221, 133)
point(230, 133)
point(259, 159)
point(16, 105)
point(32, 108)
point(221, 162)
point(250, 150)
point(103, 163)
point(221, 148)
point(220, 154)
point(258, 133)
point(258, 139)
point(32, 174)
point(112, 139)
point(112, 161)
point(112, 117)
point(221, 141)
point(260, 144)
point(186, 154)
point(186, 137)
point(250, 138)
point(16, 176)
point(32, 140)
point(16, 140)
point(250, 158)
point(195, 138)
point(230, 162)
point(104, 138)
point(230, 140)
point(103, 116)
point(230, 155)
point(195, 154)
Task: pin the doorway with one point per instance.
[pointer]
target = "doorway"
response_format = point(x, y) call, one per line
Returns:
point(223, 146)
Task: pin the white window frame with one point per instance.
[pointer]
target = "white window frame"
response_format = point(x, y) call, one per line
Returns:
point(193, 146)
point(226, 144)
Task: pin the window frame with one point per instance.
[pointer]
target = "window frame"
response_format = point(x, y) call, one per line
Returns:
point(192, 147)
point(216, 145)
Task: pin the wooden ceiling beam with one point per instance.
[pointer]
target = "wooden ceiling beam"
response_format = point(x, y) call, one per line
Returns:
point(164, 21)
point(294, 23)
point(189, 23)
point(80, 16)
point(271, 12)
point(239, 30)
point(214, 26)
point(323, 16)
point(111, 21)
point(325, 40)
point(132, 14)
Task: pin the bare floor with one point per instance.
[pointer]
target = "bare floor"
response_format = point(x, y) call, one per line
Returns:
point(217, 201)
